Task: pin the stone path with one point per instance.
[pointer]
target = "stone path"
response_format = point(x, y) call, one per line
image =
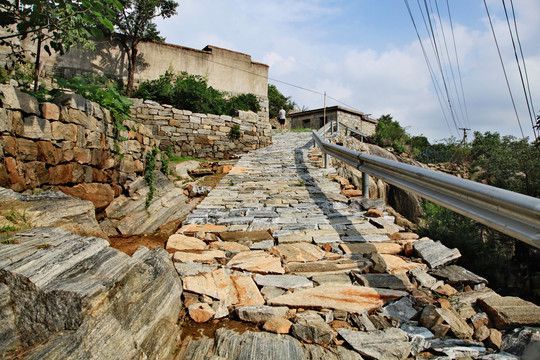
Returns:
point(277, 244)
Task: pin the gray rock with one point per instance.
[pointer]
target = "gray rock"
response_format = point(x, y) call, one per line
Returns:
point(262, 245)
point(423, 278)
point(456, 274)
point(385, 281)
point(332, 278)
point(455, 348)
point(520, 340)
point(182, 169)
point(190, 268)
point(284, 281)
point(419, 344)
point(417, 331)
point(130, 216)
point(230, 345)
point(363, 322)
point(260, 313)
point(89, 300)
point(388, 344)
point(200, 191)
point(54, 209)
point(401, 309)
point(15, 99)
point(339, 353)
point(311, 327)
point(434, 253)
point(270, 292)
point(367, 203)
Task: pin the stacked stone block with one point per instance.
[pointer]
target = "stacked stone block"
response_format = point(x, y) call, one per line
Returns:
point(66, 143)
point(204, 136)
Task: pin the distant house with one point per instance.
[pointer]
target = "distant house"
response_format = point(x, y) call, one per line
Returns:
point(314, 119)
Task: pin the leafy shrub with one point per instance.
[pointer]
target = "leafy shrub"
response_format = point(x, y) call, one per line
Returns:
point(101, 90)
point(389, 132)
point(235, 133)
point(191, 92)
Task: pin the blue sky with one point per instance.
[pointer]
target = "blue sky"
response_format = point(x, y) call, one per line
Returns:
point(366, 54)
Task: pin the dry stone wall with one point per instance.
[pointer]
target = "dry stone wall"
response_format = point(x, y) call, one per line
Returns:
point(204, 136)
point(69, 143)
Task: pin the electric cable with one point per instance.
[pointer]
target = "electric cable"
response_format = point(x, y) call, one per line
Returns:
point(504, 69)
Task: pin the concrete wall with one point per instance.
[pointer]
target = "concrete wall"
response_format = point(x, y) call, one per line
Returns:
point(202, 135)
point(225, 70)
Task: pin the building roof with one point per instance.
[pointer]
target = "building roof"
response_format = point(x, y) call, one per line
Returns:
point(332, 109)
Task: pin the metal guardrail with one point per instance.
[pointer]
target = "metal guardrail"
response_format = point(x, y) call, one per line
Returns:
point(511, 213)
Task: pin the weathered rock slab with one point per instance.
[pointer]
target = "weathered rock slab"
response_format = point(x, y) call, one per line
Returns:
point(350, 298)
point(510, 311)
point(256, 261)
point(54, 209)
point(261, 313)
point(398, 281)
point(300, 252)
point(454, 274)
point(284, 281)
point(388, 344)
point(434, 253)
point(88, 299)
point(219, 285)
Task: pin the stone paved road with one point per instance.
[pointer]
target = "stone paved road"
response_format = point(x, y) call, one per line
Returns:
point(279, 188)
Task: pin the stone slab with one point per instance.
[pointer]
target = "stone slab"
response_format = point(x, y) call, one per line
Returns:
point(366, 248)
point(204, 256)
point(256, 261)
point(300, 252)
point(389, 344)
point(332, 278)
point(179, 242)
point(386, 281)
point(254, 236)
point(350, 298)
point(328, 267)
point(434, 253)
point(393, 264)
point(509, 311)
point(219, 285)
point(284, 281)
point(454, 274)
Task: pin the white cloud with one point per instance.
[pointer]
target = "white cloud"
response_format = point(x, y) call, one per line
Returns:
point(314, 44)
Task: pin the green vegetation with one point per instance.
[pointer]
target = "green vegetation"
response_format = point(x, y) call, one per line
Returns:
point(484, 251)
point(235, 132)
point(191, 92)
point(149, 174)
point(134, 23)
point(54, 25)
point(17, 221)
point(300, 130)
point(276, 100)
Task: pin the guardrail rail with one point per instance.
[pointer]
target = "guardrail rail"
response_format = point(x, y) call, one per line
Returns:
point(511, 213)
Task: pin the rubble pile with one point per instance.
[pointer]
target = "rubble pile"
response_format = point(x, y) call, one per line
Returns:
point(277, 244)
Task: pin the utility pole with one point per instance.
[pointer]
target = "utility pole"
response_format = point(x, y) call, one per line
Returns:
point(464, 134)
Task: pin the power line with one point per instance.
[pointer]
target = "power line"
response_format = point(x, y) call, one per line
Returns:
point(504, 69)
point(529, 104)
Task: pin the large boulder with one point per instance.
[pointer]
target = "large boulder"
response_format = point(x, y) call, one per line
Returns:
point(128, 215)
point(72, 297)
point(54, 209)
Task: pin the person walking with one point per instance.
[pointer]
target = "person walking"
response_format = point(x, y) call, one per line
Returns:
point(282, 117)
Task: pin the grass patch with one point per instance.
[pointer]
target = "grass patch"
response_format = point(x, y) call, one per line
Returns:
point(179, 159)
point(300, 130)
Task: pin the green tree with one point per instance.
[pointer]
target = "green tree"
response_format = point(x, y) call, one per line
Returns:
point(135, 24)
point(390, 133)
point(276, 99)
point(54, 25)
point(506, 162)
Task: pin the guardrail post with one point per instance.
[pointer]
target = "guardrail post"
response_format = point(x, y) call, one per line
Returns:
point(365, 185)
point(326, 161)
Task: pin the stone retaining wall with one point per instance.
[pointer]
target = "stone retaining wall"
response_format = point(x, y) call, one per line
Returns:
point(204, 136)
point(66, 143)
